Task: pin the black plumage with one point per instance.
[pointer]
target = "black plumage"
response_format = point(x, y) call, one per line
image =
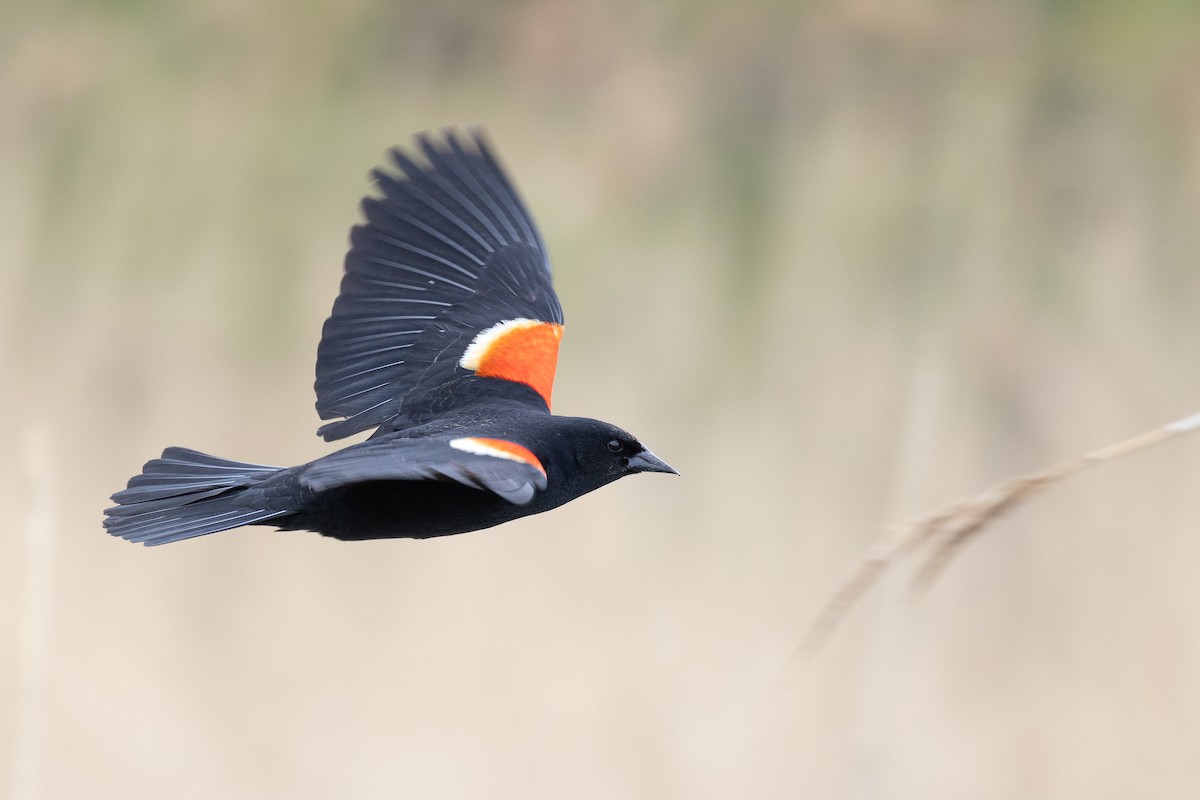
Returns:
point(443, 339)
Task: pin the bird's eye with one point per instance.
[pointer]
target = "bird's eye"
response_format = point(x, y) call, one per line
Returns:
point(614, 446)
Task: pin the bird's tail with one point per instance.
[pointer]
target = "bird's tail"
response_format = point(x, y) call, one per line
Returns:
point(184, 494)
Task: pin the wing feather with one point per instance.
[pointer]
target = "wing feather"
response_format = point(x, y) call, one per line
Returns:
point(447, 251)
point(395, 459)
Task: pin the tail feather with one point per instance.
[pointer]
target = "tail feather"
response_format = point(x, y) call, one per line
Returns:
point(185, 494)
point(134, 503)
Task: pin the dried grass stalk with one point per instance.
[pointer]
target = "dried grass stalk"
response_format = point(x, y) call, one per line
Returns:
point(944, 532)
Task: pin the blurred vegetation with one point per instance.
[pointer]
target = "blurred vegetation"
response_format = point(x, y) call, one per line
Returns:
point(838, 261)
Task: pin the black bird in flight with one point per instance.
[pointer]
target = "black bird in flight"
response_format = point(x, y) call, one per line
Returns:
point(444, 339)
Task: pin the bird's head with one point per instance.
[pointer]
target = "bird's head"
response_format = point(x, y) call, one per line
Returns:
point(585, 454)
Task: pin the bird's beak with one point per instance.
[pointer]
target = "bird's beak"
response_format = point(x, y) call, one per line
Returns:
point(646, 461)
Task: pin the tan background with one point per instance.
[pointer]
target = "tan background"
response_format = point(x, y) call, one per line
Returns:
point(838, 262)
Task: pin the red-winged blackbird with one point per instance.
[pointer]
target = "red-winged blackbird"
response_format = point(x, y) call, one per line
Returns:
point(444, 338)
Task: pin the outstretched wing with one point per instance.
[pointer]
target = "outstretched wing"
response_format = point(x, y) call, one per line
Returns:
point(447, 277)
point(495, 465)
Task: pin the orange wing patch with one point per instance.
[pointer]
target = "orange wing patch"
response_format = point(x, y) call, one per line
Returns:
point(498, 448)
point(521, 350)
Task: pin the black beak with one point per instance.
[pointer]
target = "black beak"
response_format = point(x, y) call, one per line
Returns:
point(646, 461)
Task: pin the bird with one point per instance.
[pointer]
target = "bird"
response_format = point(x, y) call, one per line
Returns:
point(444, 340)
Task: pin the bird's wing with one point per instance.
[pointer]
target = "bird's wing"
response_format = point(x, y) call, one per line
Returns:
point(495, 465)
point(448, 277)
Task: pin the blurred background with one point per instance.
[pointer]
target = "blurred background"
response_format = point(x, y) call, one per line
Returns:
point(838, 262)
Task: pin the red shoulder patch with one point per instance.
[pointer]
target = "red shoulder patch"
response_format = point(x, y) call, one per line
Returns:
point(498, 448)
point(520, 350)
